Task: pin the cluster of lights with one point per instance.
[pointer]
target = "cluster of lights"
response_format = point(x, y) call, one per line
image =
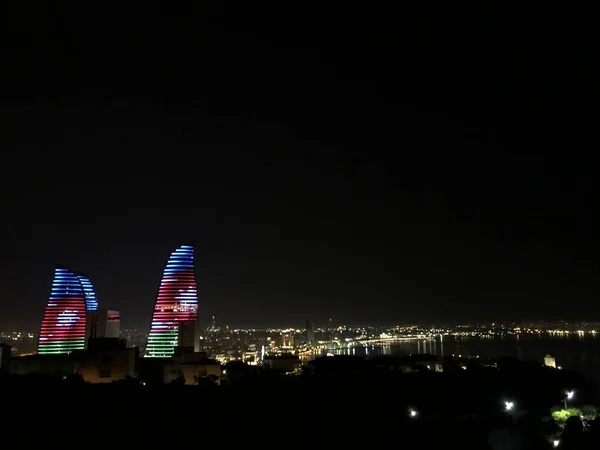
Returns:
point(176, 302)
point(509, 406)
point(63, 325)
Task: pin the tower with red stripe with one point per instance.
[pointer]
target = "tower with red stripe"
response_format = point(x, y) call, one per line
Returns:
point(176, 302)
point(63, 325)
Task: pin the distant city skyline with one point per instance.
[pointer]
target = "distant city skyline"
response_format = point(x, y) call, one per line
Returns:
point(300, 324)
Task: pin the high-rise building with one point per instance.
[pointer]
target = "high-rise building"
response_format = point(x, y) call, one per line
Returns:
point(310, 333)
point(287, 338)
point(91, 302)
point(176, 303)
point(188, 335)
point(102, 323)
point(63, 325)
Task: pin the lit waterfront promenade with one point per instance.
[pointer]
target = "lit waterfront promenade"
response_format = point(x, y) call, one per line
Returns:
point(378, 341)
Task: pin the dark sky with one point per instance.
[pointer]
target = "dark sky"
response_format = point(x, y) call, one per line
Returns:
point(365, 165)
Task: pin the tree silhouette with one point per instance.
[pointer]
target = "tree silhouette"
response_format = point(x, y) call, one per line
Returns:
point(179, 380)
point(209, 380)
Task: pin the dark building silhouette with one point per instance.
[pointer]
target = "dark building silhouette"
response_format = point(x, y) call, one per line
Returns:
point(310, 333)
point(5, 355)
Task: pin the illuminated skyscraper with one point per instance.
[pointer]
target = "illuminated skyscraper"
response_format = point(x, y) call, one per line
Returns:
point(63, 325)
point(91, 302)
point(176, 305)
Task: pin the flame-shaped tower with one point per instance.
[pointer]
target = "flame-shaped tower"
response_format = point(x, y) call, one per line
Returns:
point(176, 304)
point(63, 325)
point(91, 302)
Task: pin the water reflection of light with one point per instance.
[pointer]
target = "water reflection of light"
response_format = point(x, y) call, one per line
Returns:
point(567, 349)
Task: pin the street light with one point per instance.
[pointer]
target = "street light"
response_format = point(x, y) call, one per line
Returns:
point(508, 406)
point(568, 396)
point(412, 413)
point(556, 443)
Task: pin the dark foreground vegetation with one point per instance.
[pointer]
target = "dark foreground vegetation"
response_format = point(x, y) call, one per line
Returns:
point(337, 404)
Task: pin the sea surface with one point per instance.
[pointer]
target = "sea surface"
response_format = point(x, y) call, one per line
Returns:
point(580, 353)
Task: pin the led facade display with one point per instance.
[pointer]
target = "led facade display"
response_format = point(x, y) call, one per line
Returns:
point(176, 302)
point(91, 302)
point(63, 325)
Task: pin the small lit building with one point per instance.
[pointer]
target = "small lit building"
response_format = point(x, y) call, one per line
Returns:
point(549, 361)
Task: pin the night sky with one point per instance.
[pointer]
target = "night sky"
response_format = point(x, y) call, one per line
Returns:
point(364, 165)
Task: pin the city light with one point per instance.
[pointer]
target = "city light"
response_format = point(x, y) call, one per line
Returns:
point(412, 413)
point(556, 443)
point(508, 406)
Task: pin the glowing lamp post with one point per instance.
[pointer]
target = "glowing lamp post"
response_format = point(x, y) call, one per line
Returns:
point(412, 413)
point(509, 407)
point(568, 396)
